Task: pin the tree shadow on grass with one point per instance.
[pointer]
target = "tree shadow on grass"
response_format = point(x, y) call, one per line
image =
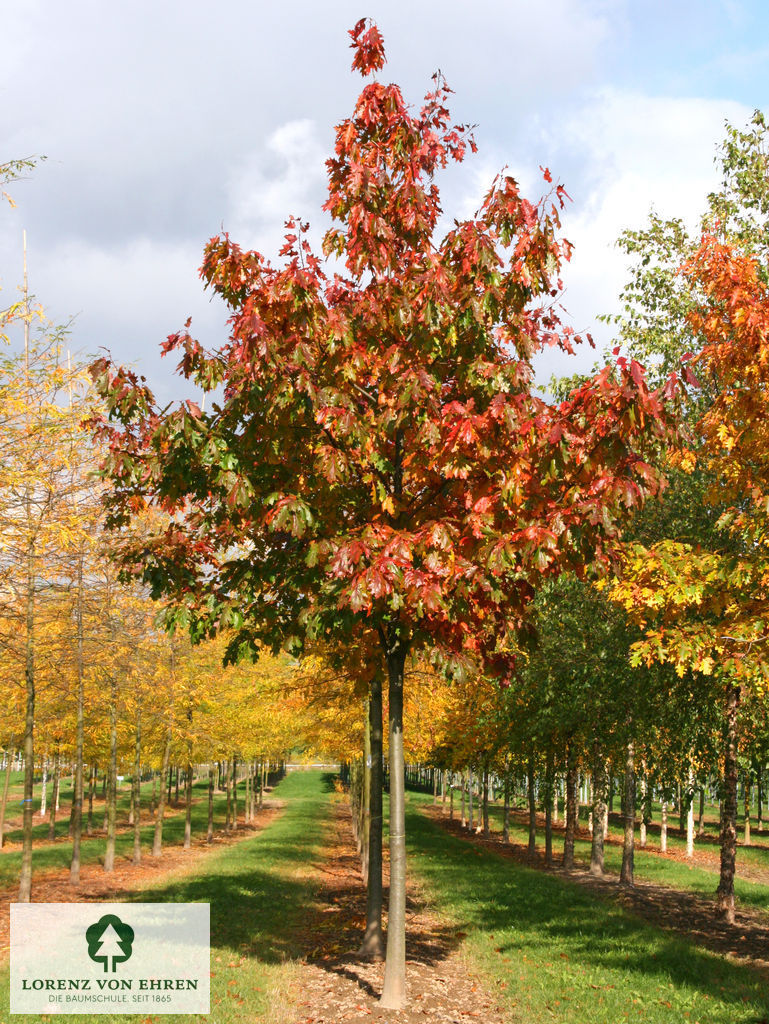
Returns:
point(541, 916)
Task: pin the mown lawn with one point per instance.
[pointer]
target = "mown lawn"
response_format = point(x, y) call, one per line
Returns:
point(557, 953)
point(258, 889)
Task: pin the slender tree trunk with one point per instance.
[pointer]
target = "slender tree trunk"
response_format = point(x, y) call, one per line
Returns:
point(644, 807)
point(571, 809)
point(701, 817)
point(746, 837)
point(532, 807)
point(485, 803)
point(759, 796)
point(188, 808)
point(44, 789)
point(154, 797)
point(373, 944)
point(234, 792)
point(4, 802)
point(25, 877)
point(109, 855)
point(394, 987)
point(91, 789)
point(228, 792)
point(471, 824)
point(54, 797)
point(506, 810)
point(464, 783)
point(549, 794)
point(664, 825)
point(600, 811)
point(626, 873)
point(136, 784)
point(725, 891)
point(157, 842)
point(210, 829)
point(366, 794)
point(690, 813)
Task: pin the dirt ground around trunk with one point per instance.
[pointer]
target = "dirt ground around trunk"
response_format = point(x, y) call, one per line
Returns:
point(334, 985)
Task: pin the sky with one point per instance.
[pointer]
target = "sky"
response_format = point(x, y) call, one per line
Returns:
point(164, 124)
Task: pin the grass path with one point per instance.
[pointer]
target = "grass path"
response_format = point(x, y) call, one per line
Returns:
point(558, 954)
point(259, 890)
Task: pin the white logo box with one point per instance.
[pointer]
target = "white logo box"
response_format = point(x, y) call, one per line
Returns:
point(146, 958)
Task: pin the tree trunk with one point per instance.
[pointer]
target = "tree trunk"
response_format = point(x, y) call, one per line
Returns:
point(188, 808)
point(701, 818)
point(628, 810)
point(210, 829)
point(25, 877)
point(471, 822)
point(464, 783)
point(485, 802)
point(725, 891)
point(571, 809)
point(759, 796)
point(532, 807)
point(228, 792)
point(373, 944)
point(600, 811)
point(506, 811)
point(136, 784)
point(746, 837)
point(394, 987)
point(157, 841)
point(690, 814)
point(664, 826)
point(4, 802)
point(54, 797)
point(549, 794)
point(109, 855)
point(645, 806)
point(234, 792)
point(91, 789)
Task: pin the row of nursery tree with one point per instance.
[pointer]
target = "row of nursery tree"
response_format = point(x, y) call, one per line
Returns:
point(546, 583)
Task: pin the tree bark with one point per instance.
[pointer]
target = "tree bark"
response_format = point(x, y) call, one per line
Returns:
point(188, 808)
point(394, 988)
point(664, 826)
point(690, 813)
point(157, 841)
point(485, 803)
point(210, 829)
point(549, 794)
point(532, 807)
point(628, 809)
point(373, 944)
point(136, 783)
point(4, 802)
point(571, 809)
point(725, 891)
point(506, 811)
point(600, 811)
point(109, 855)
point(54, 797)
point(25, 876)
point(234, 791)
point(746, 837)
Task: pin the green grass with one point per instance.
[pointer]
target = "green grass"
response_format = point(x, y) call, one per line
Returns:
point(649, 866)
point(556, 953)
point(48, 856)
point(258, 890)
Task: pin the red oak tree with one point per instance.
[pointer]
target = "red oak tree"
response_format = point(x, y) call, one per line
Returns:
point(378, 462)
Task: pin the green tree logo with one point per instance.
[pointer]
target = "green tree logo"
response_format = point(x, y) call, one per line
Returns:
point(110, 940)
